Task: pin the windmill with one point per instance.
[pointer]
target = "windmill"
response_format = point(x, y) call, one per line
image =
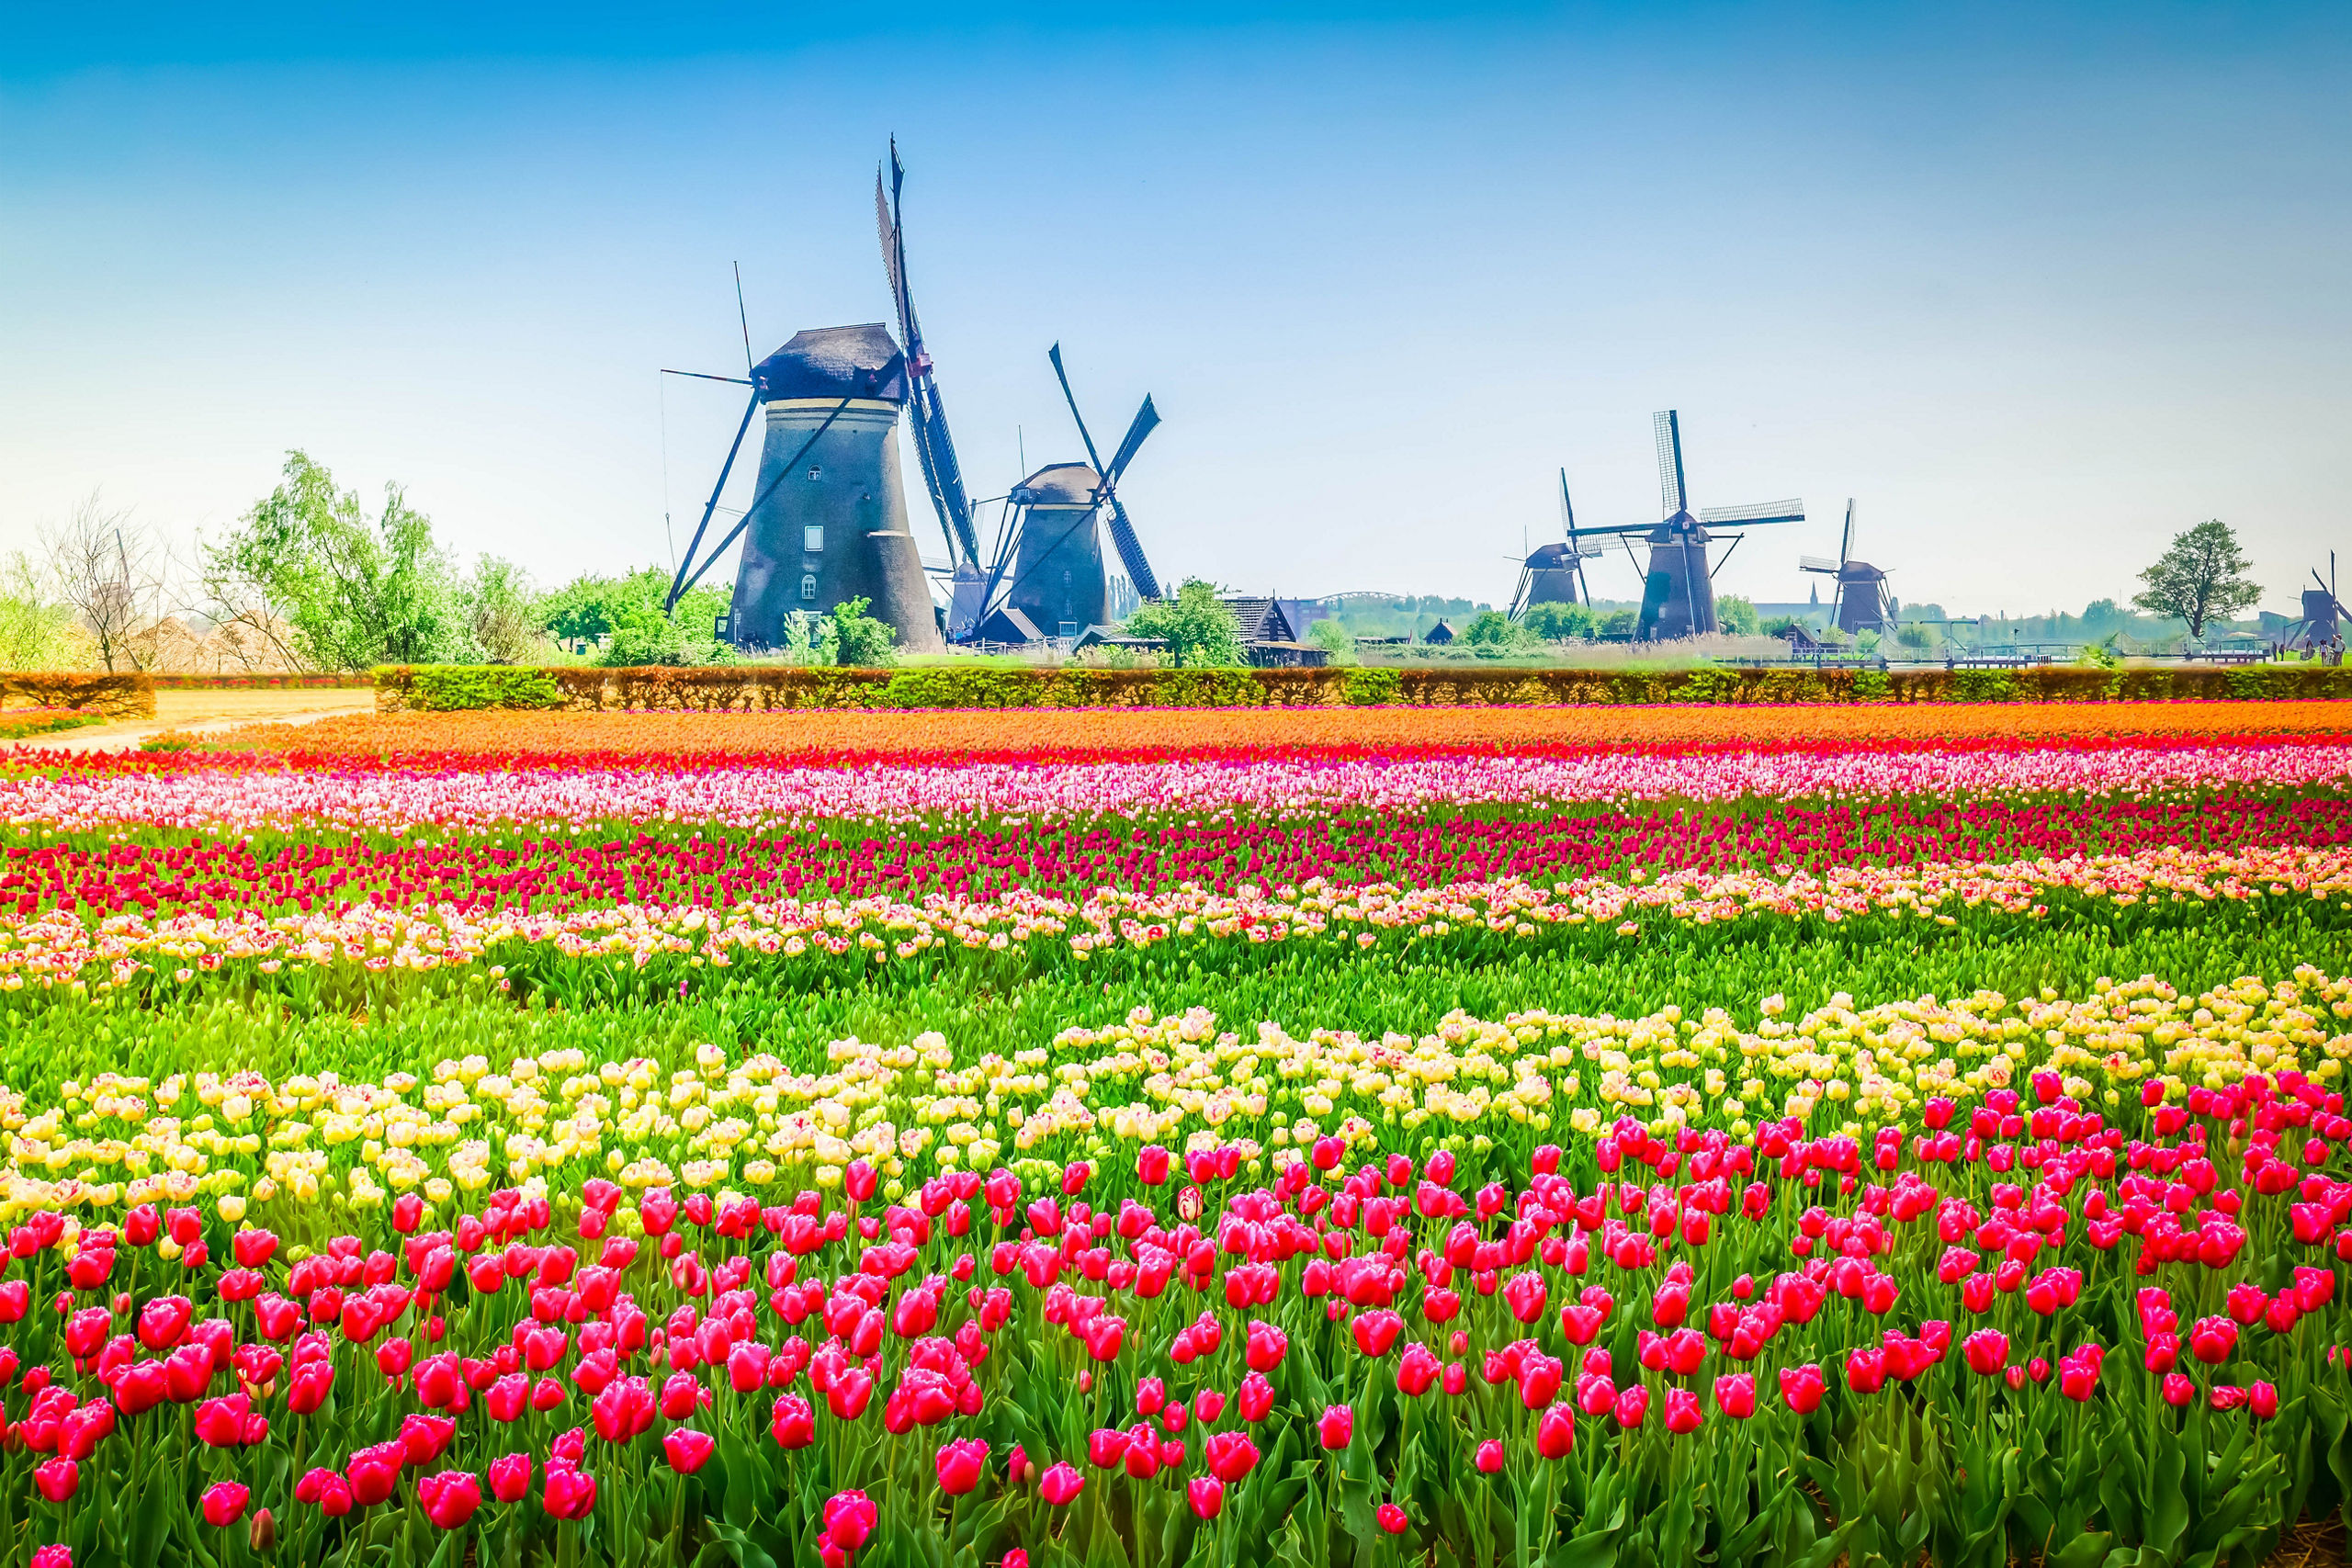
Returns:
point(927, 415)
point(1049, 556)
point(2324, 614)
point(1860, 601)
point(1554, 574)
point(1679, 590)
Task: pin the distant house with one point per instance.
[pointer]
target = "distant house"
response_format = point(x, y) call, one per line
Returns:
point(1439, 635)
point(1010, 626)
point(1285, 655)
point(1111, 636)
point(1261, 620)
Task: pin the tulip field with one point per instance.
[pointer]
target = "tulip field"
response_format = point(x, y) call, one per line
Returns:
point(1560, 1139)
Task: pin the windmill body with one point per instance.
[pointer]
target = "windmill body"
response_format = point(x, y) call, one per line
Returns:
point(1861, 601)
point(1057, 578)
point(1554, 574)
point(2324, 616)
point(828, 521)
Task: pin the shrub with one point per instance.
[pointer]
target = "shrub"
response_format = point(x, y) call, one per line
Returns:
point(1369, 688)
point(448, 688)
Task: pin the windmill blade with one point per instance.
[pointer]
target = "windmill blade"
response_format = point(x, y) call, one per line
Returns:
point(678, 583)
point(1146, 420)
point(1821, 564)
point(1846, 540)
point(1790, 510)
point(1055, 354)
point(935, 448)
point(1672, 492)
point(1123, 534)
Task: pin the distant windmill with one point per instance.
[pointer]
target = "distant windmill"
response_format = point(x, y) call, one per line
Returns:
point(1861, 601)
point(1679, 589)
point(927, 417)
point(1554, 574)
point(1049, 559)
point(2324, 614)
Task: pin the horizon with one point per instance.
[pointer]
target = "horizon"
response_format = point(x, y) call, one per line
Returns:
point(2039, 290)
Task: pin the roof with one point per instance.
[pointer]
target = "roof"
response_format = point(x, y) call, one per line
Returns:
point(1111, 636)
point(1009, 625)
point(1442, 632)
point(1547, 557)
point(1059, 484)
point(1261, 620)
point(835, 362)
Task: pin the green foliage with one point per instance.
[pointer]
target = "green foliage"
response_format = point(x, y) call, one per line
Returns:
point(1984, 686)
point(500, 612)
point(354, 590)
point(850, 635)
point(1912, 635)
point(1619, 624)
point(2196, 579)
point(1369, 688)
point(1333, 639)
point(444, 688)
point(1199, 630)
point(1557, 622)
point(1491, 628)
point(624, 613)
point(1736, 612)
point(1872, 685)
point(36, 631)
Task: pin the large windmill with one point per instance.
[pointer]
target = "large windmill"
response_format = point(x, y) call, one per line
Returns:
point(1860, 601)
point(1554, 574)
point(1678, 588)
point(927, 417)
point(1049, 562)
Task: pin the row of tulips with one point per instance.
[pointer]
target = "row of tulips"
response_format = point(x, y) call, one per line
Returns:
point(317, 1143)
point(2011, 1323)
point(234, 795)
point(174, 871)
point(784, 944)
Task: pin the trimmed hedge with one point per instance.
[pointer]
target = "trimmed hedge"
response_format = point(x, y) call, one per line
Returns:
point(330, 680)
point(770, 688)
point(122, 694)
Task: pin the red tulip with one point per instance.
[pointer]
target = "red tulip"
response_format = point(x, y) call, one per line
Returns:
point(1061, 1484)
point(57, 1479)
point(1735, 1395)
point(1491, 1456)
point(1392, 1518)
point(1231, 1456)
point(1206, 1493)
point(224, 1502)
point(1336, 1427)
point(449, 1497)
point(327, 1490)
point(1631, 1405)
point(2263, 1400)
point(1802, 1388)
point(687, 1449)
point(794, 1424)
point(1555, 1434)
point(569, 1494)
point(510, 1477)
point(961, 1464)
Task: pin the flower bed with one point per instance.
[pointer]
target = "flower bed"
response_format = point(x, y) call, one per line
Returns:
point(1436, 1138)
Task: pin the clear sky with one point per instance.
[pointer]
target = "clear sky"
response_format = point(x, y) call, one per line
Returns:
point(2039, 285)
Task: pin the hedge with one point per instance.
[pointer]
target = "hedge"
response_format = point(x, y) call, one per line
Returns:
point(115, 694)
point(769, 688)
point(330, 680)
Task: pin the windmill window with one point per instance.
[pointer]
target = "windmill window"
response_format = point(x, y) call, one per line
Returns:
point(816, 470)
point(812, 538)
point(808, 586)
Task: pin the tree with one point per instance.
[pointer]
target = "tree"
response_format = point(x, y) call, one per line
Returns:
point(1198, 627)
point(1490, 628)
point(1332, 637)
point(1555, 621)
point(499, 604)
point(109, 573)
point(36, 631)
point(628, 610)
point(1735, 614)
point(2198, 580)
point(852, 636)
point(351, 592)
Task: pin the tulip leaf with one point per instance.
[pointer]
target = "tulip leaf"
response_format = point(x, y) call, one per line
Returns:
point(2086, 1551)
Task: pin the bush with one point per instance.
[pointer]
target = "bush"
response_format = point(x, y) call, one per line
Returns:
point(1369, 688)
point(449, 688)
point(116, 695)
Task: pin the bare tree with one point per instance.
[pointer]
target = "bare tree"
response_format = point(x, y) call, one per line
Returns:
point(109, 571)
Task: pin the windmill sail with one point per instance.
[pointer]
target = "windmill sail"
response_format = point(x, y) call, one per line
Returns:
point(934, 449)
point(1140, 576)
point(1672, 492)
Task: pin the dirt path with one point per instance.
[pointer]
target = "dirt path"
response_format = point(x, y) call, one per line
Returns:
point(211, 711)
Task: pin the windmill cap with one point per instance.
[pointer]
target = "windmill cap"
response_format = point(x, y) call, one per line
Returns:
point(1547, 555)
point(835, 362)
point(1059, 484)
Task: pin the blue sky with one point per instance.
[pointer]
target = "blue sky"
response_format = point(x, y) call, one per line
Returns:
point(2039, 286)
